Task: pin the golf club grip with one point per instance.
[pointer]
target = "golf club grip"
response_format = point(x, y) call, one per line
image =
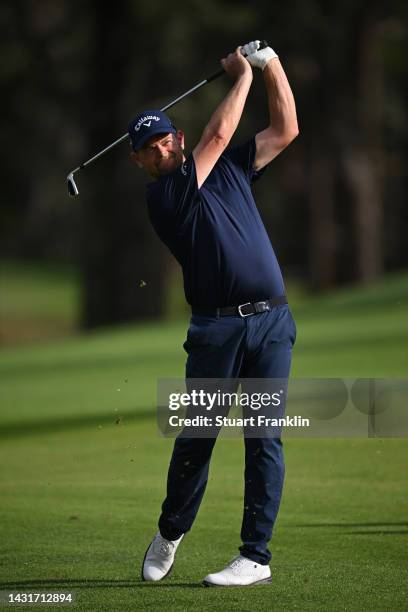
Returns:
point(219, 73)
point(215, 75)
point(72, 188)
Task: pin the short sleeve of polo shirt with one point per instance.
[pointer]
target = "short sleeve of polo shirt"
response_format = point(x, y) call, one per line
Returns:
point(243, 156)
point(172, 197)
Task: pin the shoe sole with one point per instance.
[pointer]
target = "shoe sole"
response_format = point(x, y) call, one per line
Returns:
point(226, 586)
point(144, 559)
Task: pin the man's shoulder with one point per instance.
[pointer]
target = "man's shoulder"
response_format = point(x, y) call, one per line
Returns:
point(241, 157)
point(174, 193)
point(245, 147)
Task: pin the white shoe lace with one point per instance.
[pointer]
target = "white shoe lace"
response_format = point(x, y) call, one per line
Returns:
point(163, 547)
point(236, 564)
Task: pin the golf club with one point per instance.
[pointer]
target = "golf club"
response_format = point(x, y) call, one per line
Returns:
point(73, 189)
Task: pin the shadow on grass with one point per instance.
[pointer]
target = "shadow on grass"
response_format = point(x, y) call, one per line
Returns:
point(82, 362)
point(379, 532)
point(347, 343)
point(102, 362)
point(84, 584)
point(393, 524)
point(367, 526)
point(63, 424)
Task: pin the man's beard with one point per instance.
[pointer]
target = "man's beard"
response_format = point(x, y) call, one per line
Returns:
point(169, 164)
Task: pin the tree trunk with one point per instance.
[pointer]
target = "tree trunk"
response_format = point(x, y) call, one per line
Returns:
point(364, 165)
point(322, 233)
point(123, 278)
point(367, 215)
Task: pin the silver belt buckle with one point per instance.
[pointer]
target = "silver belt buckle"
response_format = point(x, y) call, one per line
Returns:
point(241, 314)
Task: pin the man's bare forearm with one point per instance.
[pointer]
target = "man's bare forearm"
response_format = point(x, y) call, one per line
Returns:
point(225, 119)
point(281, 103)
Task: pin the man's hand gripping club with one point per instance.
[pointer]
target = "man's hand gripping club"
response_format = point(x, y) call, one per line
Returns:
point(258, 58)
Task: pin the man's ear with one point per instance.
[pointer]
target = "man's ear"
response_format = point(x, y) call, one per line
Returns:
point(180, 138)
point(135, 159)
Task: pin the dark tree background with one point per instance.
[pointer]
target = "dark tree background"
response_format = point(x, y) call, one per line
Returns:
point(74, 73)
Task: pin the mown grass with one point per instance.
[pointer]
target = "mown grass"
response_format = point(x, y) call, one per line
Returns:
point(37, 301)
point(83, 472)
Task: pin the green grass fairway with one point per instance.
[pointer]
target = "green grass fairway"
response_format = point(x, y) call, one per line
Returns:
point(83, 473)
point(37, 301)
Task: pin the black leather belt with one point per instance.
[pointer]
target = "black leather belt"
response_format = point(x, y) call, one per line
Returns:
point(243, 310)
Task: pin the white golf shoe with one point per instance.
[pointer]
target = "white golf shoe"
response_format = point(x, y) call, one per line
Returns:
point(159, 558)
point(240, 572)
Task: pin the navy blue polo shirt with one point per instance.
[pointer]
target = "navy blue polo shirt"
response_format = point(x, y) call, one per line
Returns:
point(216, 232)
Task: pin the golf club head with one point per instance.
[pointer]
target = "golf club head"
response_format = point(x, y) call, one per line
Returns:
point(72, 188)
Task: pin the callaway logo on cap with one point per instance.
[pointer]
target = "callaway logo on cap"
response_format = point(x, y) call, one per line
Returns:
point(146, 121)
point(147, 124)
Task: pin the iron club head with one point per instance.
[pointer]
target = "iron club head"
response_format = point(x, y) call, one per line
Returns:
point(72, 188)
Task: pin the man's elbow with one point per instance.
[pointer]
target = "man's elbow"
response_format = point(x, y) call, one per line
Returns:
point(289, 135)
point(280, 139)
point(295, 132)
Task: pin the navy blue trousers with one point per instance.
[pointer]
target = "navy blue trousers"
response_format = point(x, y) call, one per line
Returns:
point(259, 346)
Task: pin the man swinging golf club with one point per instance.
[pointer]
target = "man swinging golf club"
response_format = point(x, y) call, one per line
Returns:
point(202, 208)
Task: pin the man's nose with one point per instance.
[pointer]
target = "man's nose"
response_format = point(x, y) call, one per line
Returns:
point(161, 150)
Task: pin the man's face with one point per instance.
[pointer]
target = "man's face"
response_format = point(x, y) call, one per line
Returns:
point(161, 154)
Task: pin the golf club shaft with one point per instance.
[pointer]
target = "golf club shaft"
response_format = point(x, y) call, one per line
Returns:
point(126, 135)
point(72, 189)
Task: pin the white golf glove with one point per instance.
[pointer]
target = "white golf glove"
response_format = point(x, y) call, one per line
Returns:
point(257, 59)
